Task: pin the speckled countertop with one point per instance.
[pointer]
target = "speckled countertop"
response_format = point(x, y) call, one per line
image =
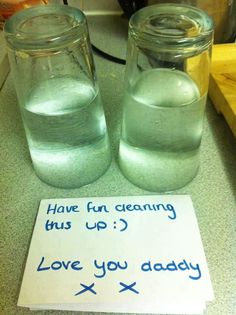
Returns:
point(213, 191)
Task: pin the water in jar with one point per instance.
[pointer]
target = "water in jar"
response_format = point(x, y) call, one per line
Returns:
point(162, 128)
point(66, 132)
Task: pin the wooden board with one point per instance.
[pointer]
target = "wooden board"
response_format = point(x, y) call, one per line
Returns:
point(222, 88)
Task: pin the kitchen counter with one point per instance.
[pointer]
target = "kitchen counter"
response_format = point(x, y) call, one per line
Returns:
point(213, 191)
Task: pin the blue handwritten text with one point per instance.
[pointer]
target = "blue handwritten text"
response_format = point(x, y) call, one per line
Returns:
point(59, 265)
point(173, 266)
point(92, 208)
point(51, 225)
point(53, 209)
point(168, 208)
point(103, 267)
point(121, 225)
point(100, 225)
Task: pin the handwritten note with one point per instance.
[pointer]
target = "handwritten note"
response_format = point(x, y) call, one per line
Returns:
point(140, 254)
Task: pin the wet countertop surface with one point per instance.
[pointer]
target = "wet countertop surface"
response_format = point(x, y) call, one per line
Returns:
point(213, 191)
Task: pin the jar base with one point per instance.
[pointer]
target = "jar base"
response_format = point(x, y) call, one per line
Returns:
point(72, 168)
point(159, 172)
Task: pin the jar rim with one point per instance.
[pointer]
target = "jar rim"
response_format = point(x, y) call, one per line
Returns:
point(151, 24)
point(44, 27)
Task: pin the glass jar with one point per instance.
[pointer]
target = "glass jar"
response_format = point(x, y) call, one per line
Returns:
point(166, 84)
point(53, 71)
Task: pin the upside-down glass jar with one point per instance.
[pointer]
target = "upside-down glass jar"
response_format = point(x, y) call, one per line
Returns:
point(166, 85)
point(53, 71)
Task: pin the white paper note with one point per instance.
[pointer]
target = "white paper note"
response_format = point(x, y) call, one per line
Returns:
point(139, 254)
